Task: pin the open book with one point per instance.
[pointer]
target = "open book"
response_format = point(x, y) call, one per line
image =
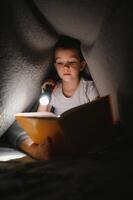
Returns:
point(83, 127)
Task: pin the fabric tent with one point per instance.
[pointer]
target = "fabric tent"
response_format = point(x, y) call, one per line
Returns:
point(29, 30)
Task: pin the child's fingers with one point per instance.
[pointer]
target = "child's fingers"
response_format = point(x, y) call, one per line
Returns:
point(48, 82)
point(46, 147)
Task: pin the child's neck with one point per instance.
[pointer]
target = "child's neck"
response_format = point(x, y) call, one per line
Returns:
point(68, 88)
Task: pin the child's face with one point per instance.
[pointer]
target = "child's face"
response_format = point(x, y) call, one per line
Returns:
point(68, 64)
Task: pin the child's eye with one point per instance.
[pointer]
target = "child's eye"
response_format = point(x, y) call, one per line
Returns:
point(72, 62)
point(59, 63)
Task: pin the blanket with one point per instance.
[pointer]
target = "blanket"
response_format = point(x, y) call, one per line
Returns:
point(106, 174)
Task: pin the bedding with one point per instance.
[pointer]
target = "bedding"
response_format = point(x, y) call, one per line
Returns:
point(106, 174)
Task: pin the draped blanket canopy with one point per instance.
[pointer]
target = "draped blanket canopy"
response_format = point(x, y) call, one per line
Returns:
point(29, 30)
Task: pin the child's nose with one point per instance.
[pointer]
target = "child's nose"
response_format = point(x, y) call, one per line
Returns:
point(67, 65)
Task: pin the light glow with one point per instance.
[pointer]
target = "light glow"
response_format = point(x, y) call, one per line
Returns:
point(44, 100)
point(10, 154)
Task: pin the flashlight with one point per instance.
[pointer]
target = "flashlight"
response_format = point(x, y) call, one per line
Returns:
point(45, 97)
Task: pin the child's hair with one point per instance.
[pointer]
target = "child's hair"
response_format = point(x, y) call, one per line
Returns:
point(66, 42)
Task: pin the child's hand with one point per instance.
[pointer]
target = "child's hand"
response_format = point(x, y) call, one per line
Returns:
point(42, 151)
point(48, 82)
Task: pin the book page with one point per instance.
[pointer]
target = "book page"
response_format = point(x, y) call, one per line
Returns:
point(36, 114)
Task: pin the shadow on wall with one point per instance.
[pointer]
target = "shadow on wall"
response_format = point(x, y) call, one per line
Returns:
point(26, 40)
point(35, 34)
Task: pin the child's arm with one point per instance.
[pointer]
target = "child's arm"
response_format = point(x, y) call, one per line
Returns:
point(20, 140)
point(44, 151)
point(38, 151)
point(42, 108)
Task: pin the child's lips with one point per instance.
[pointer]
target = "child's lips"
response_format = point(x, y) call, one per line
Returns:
point(66, 74)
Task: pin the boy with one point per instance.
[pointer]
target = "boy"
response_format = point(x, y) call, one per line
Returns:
point(70, 91)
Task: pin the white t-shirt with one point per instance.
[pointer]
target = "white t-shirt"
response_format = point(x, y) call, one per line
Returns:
point(86, 92)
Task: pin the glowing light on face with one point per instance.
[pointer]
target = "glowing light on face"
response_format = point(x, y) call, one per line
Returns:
point(68, 64)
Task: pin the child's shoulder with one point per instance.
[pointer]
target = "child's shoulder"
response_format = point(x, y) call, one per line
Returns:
point(87, 82)
point(87, 85)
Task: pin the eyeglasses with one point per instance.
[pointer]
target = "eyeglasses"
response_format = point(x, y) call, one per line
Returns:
point(67, 64)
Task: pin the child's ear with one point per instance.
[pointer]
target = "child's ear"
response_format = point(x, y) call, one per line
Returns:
point(83, 65)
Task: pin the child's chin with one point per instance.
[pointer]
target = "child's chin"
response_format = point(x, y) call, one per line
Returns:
point(67, 78)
